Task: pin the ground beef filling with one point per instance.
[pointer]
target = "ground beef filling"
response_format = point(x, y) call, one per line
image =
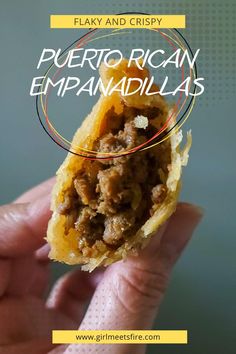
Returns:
point(111, 199)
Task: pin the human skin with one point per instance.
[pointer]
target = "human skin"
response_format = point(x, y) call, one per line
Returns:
point(126, 295)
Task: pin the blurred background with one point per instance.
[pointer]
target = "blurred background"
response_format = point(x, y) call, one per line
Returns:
point(202, 293)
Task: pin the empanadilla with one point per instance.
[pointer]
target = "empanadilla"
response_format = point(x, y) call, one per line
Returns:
point(106, 209)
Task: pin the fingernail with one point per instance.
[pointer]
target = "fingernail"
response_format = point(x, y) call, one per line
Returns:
point(193, 207)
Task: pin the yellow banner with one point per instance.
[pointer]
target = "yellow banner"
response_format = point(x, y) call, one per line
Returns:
point(117, 21)
point(120, 337)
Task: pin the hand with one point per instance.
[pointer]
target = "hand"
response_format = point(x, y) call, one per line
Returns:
point(127, 295)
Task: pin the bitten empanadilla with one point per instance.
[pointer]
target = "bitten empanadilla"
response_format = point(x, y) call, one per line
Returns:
point(106, 209)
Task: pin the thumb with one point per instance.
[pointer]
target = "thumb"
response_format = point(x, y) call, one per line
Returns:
point(23, 226)
point(129, 295)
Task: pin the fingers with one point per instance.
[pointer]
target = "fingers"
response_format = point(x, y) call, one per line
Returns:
point(179, 231)
point(21, 276)
point(22, 230)
point(130, 293)
point(26, 318)
point(27, 277)
point(72, 292)
point(36, 192)
point(40, 284)
point(36, 346)
point(5, 271)
point(23, 227)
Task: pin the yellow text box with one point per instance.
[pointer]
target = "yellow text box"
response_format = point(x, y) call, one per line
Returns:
point(120, 337)
point(117, 21)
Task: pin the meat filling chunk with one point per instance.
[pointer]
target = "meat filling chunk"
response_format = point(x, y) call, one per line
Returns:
point(113, 198)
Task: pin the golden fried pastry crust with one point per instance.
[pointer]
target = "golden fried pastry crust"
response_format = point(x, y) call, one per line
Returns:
point(104, 210)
